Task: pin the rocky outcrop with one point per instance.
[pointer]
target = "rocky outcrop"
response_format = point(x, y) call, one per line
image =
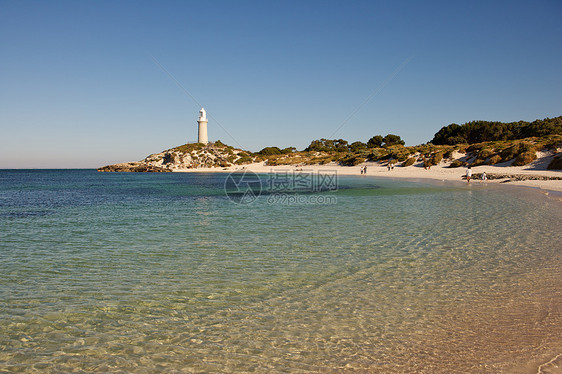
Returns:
point(187, 156)
point(136, 167)
point(516, 177)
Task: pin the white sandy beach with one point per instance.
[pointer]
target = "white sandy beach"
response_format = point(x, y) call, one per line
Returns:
point(439, 172)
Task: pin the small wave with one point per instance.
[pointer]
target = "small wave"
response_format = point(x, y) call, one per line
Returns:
point(32, 213)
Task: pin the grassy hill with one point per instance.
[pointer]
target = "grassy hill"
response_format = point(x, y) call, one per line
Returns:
point(187, 156)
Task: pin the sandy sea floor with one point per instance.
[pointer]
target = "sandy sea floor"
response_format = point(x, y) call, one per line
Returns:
point(162, 272)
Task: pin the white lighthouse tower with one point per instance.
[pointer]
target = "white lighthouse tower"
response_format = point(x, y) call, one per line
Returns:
point(202, 121)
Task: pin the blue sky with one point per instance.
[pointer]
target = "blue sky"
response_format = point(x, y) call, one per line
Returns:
point(80, 84)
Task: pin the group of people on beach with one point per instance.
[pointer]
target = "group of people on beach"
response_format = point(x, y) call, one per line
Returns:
point(483, 177)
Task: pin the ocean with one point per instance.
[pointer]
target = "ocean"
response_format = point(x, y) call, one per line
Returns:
point(295, 273)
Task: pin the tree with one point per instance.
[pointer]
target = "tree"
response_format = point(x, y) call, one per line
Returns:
point(392, 139)
point(315, 146)
point(484, 131)
point(357, 146)
point(375, 142)
point(341, 145)
point(268, 151)
point(322, 145)
point(328, 145)
point(288, 150)
point(448, 135)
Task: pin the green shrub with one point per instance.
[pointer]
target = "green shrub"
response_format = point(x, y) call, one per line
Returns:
point(526, 147)
point(352, 160)
point(401, 157)
point(485, 153)
point(556, 163)
point(325, 160)
point(268, 151)
point(244, 160)
point(288, 150)
point(377, 155)
point(281, 161)
point(409, 161)
point(510, 153)
point(168, 158)
point(457, 163)
point(517, 149)
point(322, 160)
point(186, 148)
point(525, 158)
point(475, 147)
point(478, 162)
point(552, 142)
point(399, 153)
point(494, 159)
point(436, 158)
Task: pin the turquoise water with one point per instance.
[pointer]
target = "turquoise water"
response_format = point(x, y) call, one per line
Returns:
point(124, 272)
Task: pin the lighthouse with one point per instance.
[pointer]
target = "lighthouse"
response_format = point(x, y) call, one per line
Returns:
point(202, 121)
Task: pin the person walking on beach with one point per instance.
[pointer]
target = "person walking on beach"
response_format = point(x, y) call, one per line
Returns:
point(468, 174)
point(484, 177)
point(365, 170)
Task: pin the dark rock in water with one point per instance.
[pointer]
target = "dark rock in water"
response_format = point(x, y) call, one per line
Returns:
point(516, 177)
point(135, 167)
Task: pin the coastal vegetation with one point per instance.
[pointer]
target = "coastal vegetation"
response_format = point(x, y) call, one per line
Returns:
point(556, 163)
point(514, 144)
point(473, 143)
point(268, 151)
point(341, 145)
point(486, 131)
point(410, 161)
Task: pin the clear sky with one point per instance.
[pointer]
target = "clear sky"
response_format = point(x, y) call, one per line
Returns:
point(82, 84)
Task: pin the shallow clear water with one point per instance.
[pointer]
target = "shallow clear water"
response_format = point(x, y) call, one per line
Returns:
point(128, 272)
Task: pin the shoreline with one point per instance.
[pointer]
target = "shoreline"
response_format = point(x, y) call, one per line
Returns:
point(439, 173)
